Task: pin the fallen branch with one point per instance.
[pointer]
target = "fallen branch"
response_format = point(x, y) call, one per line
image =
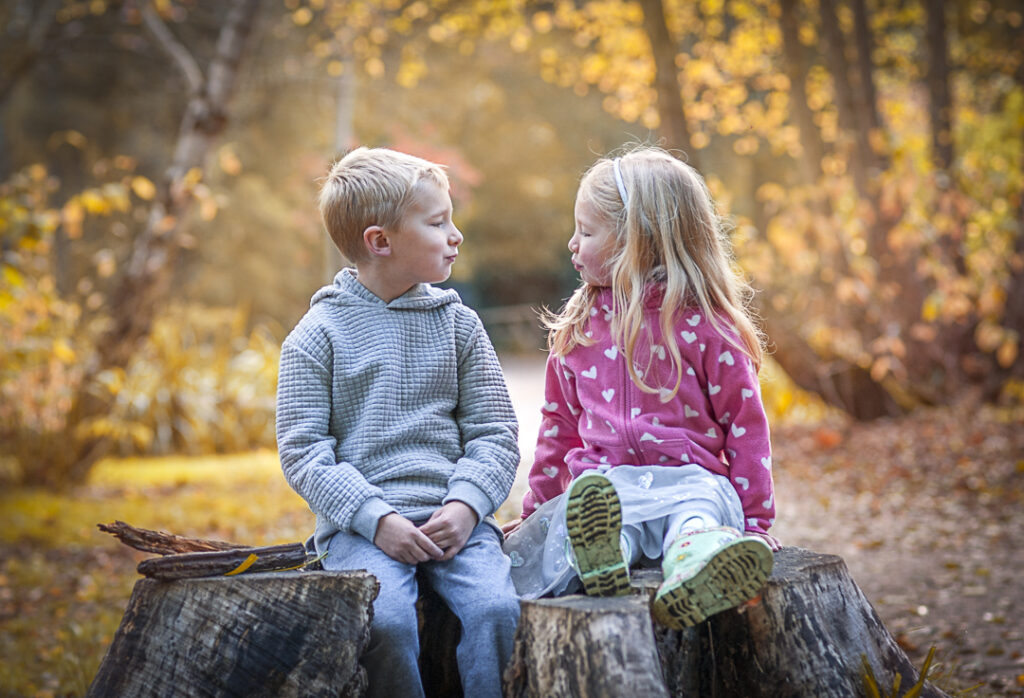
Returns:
point(187, 558)
point(161, 542)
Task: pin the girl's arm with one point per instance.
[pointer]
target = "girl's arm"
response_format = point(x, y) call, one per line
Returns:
point(559, 433)
point(735, 397)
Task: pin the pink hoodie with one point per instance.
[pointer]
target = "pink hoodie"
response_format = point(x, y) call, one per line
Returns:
point(594, 414)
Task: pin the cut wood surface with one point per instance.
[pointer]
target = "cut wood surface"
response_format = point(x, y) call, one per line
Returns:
point(275, 634)
point(585, 646)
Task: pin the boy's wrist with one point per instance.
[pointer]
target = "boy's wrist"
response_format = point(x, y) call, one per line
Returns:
point(368, 516)
point(470, 495)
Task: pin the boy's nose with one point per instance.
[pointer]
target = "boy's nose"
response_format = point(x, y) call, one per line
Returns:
point(456, 237)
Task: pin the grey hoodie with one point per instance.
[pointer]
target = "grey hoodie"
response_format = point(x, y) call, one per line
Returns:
point(392, 407)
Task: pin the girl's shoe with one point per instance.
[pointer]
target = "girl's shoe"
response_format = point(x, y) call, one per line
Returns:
point(593, 518)
point(707, 572)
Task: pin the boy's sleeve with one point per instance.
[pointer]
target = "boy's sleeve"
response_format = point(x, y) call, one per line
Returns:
point(735, 397)
point(306, 447)
point(484, 474)
point(559, 433)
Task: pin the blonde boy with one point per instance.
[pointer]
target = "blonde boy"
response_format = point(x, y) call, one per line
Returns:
point(395, 425)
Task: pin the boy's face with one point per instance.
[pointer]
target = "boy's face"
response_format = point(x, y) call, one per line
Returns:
point(426, 241)
point(592, 244)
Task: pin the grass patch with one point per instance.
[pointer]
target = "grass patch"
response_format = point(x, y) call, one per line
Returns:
point(64, 584)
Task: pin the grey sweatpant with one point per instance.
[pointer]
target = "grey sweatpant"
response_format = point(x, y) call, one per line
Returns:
point(475, 584)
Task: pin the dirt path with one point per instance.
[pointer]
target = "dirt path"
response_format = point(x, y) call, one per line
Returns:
point(926, 511)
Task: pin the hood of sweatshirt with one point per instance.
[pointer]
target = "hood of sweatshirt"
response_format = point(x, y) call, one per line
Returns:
point(347, 291)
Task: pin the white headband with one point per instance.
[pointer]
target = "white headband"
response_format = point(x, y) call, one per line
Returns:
point(618, 181)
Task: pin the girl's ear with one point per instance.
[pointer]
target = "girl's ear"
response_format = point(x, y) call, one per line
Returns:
point(376, 240)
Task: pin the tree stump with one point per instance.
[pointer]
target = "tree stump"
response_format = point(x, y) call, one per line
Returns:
point(265, 634)
point(805, 636)
point(585, 646)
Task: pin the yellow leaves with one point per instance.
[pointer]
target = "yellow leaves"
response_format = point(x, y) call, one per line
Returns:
point(411, 71)
point(302, 16)
point(1003, 342)
point(105, 263)
point(228, 160)
point(94, 202)
point(143, 188)
point(11, 276)
point(63, 351)
point(72, 216)
point(374, 67)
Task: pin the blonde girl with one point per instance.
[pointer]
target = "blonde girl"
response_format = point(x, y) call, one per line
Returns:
point(654, 443)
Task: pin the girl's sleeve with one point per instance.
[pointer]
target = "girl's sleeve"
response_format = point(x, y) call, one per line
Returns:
point(735, 397)
point(559, 433)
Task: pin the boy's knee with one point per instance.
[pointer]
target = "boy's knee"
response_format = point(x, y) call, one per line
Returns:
point(394, 625)
point(495, 611)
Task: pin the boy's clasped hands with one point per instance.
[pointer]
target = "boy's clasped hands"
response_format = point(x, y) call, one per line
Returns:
point(441, 537)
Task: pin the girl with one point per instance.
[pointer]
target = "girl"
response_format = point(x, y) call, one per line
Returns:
point(654, 442)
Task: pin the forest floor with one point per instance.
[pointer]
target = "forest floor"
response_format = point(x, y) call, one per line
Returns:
point(925, 510)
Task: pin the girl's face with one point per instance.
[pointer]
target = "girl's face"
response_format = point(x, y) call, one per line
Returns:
point(592, 244)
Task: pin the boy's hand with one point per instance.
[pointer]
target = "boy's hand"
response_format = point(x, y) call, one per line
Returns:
point(399, 538)
point(450, 526)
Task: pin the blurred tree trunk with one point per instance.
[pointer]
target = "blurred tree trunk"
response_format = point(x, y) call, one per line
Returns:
point(796, 71)
point(838, 382)
point(940, 108)
point(38, 25)
point(344, 137)
point(867, 106)
point(32, 30)
point(149, 271)
point(856, 141)
point(671, 110)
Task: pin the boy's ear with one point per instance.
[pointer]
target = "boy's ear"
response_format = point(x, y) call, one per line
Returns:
point(376, 240)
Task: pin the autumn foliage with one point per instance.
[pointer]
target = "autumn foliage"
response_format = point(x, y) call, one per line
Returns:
point(870, 156)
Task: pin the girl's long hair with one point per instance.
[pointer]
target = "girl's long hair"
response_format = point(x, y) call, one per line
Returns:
point(667, 233)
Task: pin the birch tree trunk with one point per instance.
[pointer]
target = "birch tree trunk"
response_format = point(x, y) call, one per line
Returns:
point(150, 268)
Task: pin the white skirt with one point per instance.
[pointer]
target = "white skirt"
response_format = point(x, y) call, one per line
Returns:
point(649, 496)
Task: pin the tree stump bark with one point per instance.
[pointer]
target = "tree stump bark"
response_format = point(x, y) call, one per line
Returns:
point(585, 646)
point(275, 634)
point(805, 636)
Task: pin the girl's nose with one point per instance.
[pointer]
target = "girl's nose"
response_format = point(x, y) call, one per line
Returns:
point(573, 244)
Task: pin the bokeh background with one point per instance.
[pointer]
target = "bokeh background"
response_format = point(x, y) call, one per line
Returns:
point(159, 166)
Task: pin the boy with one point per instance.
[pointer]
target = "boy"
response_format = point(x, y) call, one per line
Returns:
point(395, 425)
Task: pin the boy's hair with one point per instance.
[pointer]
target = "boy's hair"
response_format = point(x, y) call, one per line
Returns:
point(371, 186)
point(668, 232)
